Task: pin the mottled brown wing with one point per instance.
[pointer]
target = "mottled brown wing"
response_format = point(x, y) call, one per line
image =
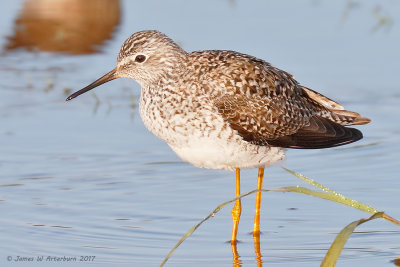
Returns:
point(266, 106)
point(260, 101)
point(266, 122)
point(257, 117)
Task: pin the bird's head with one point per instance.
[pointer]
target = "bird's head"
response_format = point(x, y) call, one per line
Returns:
point(146, 57)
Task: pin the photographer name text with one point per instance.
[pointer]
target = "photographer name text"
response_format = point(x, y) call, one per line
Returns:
point(51, 258)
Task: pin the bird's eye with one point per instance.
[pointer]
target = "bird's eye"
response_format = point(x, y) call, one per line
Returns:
point(140, 58)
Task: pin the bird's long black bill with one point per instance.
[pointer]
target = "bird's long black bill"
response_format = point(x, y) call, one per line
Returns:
point(106, 78)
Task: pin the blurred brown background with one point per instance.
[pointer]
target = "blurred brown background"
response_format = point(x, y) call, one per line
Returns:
point(58, 26)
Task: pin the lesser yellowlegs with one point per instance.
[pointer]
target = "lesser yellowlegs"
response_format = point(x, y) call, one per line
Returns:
point(226, 110)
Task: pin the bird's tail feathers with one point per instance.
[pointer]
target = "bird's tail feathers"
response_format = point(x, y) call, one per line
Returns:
point(346, 117)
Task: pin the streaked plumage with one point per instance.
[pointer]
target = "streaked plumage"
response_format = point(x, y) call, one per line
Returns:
point(223, 109)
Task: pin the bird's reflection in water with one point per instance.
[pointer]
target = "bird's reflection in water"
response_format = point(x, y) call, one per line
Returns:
point(236, 257)
point(235, 261)
point(67, 26)
point(256, 238)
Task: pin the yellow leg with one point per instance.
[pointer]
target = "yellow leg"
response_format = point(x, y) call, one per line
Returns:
point(256, 226)
point(237, 209)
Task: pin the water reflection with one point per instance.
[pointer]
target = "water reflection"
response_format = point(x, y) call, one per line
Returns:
point(57, 190)
point(256, 238)
point(236, 262)
point(71, 26)
point(396, 261)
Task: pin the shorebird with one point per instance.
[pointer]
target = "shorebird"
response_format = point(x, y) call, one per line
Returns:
point(222, 109)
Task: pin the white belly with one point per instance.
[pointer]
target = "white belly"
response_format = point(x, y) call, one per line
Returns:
point(214, 153)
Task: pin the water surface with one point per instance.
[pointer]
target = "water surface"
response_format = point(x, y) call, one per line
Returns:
point(85, 178)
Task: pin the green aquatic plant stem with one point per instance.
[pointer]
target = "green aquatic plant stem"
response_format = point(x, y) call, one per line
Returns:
point(328, 196)
point(334, 251)
point(332, 195)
